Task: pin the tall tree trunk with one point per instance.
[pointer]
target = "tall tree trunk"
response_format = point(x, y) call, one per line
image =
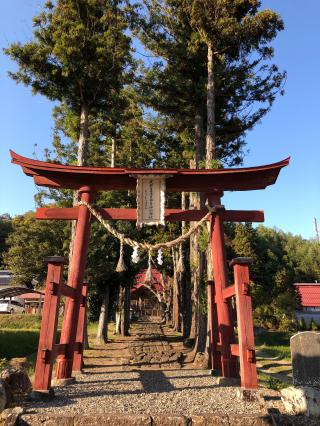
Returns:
point(125, 323)
point(176, 294)
point(86, 337)
point(113, 152)
point(211, 104)
point(123, 311)
point(182, 278)
point(102, 333)
point(210, 155)
point(194, 201)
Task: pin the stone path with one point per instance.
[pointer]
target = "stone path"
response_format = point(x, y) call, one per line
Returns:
point(152, 350)
point(144, 374)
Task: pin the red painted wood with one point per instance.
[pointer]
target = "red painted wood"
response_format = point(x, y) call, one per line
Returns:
point(234, 349)
point(248, 369)
point(47, 339)
point(67, 291)
point(215, 361)
point(75, 280)
point(226, 332)
point(189, 180)
point(171, 215)
point(78, 350)
point(228, 292)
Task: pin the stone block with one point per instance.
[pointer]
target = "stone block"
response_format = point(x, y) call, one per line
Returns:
point(301, 400)
point(305, 352)
point(45, 420)
point(169, 420)
point(210, 420)
point(250, 420)
point(113, 420)
point(10, 416)
point(17, 379)
point(5, 395)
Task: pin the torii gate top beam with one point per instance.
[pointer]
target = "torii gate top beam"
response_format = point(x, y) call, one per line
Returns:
point(189, 180)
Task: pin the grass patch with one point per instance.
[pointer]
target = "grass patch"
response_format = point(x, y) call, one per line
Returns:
point(274, 344)
point(270, 382)
point(18, 343)
point(18, 322)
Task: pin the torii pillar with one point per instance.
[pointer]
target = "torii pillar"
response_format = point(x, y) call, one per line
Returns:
point(75, 280)
point(225, 334)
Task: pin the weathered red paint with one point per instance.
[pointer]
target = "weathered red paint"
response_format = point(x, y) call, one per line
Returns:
point(47, 340)
point(75, 280)
point(220, 275)
point(215, 361)
point(188, 180)
point(171, 215)
point(223, 348)
point(246, 347)
point(78, 350)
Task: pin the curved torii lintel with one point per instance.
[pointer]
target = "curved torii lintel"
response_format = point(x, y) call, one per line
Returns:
point(178, 180)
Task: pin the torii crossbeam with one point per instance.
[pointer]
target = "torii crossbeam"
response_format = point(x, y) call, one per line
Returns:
point(213, 182)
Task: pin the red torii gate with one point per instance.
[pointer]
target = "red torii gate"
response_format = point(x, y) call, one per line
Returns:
point(90, 180)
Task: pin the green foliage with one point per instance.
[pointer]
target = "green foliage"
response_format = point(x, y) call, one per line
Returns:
point(78, 54)
point(30, 242)
point(313, 325)
point(203, 239)
point(276, 384)
point(5, 230)
point(302, 326)
point(175, 85)
point(3, 362)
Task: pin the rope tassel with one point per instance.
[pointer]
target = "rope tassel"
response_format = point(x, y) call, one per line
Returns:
point(121, 266)
point(148, 276)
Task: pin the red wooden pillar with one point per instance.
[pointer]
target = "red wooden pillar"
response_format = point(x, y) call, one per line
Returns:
point(229, 366)
point(75, 280)
point(48, 332)
point(78, 352)
point(215, 362)
point(248, 369)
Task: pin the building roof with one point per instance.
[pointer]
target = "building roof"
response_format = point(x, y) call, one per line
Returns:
point(15, 291)
point(108, 178)
point(156, 283)
point(309, 293)
point(33, 295)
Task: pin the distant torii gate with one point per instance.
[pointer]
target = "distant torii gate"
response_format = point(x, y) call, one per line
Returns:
point(90, 180)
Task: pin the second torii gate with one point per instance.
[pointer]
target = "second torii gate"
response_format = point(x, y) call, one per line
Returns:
point(89, 181)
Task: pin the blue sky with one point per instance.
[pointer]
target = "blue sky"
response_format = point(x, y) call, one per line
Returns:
point(290, 129)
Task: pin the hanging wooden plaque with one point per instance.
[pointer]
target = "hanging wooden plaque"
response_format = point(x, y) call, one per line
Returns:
point(150, 200)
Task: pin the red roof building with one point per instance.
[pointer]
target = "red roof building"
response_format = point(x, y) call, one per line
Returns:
point(147, 298)
point(309, 295)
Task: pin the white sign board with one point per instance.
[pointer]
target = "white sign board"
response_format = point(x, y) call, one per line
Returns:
point(150, 200)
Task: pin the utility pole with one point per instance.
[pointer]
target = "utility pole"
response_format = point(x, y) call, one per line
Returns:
point(316, 229)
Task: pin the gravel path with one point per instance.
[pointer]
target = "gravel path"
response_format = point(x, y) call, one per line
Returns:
point(115, 381)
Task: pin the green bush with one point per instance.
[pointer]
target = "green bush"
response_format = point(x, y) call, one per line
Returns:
point(302, 324)
point(313, 325)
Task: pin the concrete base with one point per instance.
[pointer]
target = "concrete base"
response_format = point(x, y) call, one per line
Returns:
point(63, 382)
point(42, 395)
